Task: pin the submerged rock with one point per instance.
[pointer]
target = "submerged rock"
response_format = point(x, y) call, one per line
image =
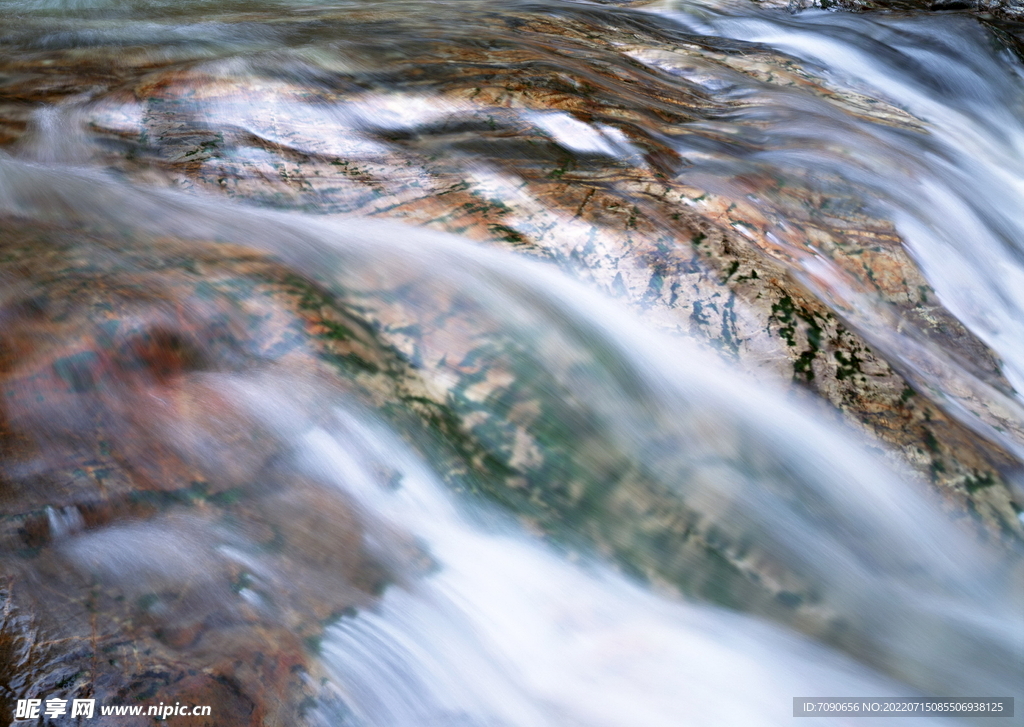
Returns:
point(155, 544)
point(553, 131)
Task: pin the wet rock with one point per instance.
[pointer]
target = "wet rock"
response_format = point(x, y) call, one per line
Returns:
point(575, 166)
point(549, 133)
point(154, 545)
point(985, 9)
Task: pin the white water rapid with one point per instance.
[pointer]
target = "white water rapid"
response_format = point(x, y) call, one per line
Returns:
point(508, 627)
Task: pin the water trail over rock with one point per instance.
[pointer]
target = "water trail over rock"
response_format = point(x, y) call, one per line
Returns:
point(951, 187)
point(394, 477)
point(861, 560)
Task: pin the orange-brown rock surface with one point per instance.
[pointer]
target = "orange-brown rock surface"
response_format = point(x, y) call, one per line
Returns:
point(115, 428)
point(154, 546)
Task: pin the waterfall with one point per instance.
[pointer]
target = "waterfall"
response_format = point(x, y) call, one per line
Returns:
point(429, 470)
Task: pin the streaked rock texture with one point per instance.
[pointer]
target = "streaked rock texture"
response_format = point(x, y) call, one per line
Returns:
point(468, 132)
point(154, 546)
point(551, 133)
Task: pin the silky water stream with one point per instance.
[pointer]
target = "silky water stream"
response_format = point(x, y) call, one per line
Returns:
point(458, 467)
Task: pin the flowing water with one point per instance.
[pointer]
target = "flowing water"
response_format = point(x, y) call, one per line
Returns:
point(571, 513)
